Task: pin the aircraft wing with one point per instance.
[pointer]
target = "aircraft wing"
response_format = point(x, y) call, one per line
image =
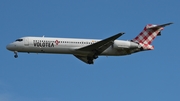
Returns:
point(96, 48)
point(99, 45)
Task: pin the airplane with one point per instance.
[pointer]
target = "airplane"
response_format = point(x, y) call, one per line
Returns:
point(87, 50)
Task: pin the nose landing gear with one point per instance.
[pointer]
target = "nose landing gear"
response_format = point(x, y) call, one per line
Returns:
point(15, 54)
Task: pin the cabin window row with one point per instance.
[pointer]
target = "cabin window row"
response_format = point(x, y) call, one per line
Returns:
point(44, 41)
point(75, 42)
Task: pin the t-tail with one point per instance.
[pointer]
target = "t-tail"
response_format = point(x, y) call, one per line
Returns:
point(150, 31)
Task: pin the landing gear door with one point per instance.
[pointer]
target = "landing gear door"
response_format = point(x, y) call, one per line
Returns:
point(26, 41)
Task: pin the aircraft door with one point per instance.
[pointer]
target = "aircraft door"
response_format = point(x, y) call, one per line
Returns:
point(26, 42)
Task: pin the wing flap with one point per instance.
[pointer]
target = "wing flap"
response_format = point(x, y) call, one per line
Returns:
point(82, 58)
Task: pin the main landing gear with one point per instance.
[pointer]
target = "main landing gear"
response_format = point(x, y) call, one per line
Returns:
point(90, 59)
point(95, 56)
point(15, 54)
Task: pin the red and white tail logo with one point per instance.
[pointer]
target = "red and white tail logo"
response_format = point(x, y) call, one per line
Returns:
point(149, 33)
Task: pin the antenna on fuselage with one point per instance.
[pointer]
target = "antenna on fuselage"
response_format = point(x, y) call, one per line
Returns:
point(43, 36)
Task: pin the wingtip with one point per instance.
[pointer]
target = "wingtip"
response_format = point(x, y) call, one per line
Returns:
point(169, 23)
point(121, 33)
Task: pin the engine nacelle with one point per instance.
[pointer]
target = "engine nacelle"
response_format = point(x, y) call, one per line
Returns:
point(134, 45)
point(119, 44)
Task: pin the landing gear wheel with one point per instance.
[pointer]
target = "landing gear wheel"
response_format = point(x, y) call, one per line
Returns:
point(15, 56)
point(95, 56)
point(90, 62)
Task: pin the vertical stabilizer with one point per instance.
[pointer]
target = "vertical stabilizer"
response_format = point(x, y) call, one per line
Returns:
point(148, 34)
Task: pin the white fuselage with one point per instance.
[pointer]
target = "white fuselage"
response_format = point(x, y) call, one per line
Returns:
point(68, 46)
point(87, 50)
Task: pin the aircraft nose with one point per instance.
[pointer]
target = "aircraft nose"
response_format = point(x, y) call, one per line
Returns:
point(10, 47)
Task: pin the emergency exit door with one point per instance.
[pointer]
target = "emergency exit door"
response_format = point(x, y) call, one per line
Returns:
point(26, 41)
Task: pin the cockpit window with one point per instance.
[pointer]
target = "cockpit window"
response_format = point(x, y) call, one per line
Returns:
point(19, 40)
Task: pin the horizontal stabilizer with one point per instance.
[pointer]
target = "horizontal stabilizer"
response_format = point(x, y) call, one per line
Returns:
point(159, 26)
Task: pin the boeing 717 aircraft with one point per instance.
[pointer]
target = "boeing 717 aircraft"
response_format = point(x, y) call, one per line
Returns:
point(88, 50)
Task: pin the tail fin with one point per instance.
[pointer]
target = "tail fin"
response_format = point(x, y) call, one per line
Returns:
point(149, 33)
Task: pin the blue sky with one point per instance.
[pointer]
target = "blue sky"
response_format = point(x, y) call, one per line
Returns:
point(146, 76)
